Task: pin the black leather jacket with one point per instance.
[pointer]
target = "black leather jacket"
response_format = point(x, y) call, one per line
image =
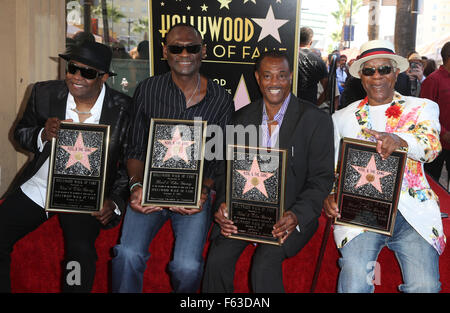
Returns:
point(49, 99)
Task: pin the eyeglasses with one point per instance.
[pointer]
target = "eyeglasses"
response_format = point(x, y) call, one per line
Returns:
point(86, 72)
point(193, 49)
point(382, 70)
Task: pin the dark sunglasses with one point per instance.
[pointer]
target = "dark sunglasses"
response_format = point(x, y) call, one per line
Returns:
point(193, 49)
point(382, 70)
point(88, 73)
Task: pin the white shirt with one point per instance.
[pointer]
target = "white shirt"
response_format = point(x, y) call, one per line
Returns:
point(341, 76)
point(36, 187)
point(420, 209)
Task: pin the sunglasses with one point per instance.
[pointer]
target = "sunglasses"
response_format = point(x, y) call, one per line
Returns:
point(382, 70)
point(88, 73)
point(193, 49)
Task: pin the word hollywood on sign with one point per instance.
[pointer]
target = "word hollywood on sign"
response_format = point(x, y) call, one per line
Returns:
point(235, 34)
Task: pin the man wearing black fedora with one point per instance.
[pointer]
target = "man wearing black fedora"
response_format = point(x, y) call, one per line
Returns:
point(82, 97)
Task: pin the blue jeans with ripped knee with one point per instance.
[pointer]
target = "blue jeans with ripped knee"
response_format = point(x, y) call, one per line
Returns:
point(419, 261)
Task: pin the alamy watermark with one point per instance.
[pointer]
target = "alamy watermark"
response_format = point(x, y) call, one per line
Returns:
point(73, 277)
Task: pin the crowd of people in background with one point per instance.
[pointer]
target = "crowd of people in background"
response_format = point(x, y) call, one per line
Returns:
point(363, 90)
point(349, 89)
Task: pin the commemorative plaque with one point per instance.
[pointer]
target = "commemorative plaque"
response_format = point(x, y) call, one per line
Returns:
point(174, 164)
point(255, 191)
point(368, 187)
point(76, 179)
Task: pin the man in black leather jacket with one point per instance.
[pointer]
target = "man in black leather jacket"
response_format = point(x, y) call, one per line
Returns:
point(311, 70)
point(82, 97)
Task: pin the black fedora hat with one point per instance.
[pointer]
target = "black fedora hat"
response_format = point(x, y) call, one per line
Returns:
point(92, 54)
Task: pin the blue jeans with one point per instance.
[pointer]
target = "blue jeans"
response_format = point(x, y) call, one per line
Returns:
point(138, 231)
point(419, 261)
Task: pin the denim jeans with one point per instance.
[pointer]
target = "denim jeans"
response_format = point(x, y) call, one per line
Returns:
point(419, 261)
point(138, 231)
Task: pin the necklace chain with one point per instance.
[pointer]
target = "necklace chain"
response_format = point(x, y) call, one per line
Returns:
point(195, 91)
point(81, 112)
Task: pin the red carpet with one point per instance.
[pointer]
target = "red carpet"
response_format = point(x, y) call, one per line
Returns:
point(36, 262)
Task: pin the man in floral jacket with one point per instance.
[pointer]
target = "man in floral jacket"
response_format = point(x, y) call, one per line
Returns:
point(392, 121)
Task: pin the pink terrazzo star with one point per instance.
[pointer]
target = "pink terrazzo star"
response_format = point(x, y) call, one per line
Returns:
point(176, 147)
point(370, 175)
point(255, 178)
point(79, 153)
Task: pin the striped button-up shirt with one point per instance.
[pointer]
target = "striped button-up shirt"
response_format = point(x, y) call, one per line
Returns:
point(269, 139)
point(159, 97)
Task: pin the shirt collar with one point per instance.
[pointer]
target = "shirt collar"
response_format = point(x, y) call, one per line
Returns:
point(280, 114)
point(96, 110)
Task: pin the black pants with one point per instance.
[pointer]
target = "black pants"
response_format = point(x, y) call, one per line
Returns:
point(435, 168)
point(19, 215)
point(266, 272)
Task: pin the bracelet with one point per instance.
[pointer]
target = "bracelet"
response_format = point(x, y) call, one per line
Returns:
point(134, 185)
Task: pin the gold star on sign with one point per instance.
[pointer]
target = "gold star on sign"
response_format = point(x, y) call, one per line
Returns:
point(224, 4)
point(204, 8)
point(269, 25)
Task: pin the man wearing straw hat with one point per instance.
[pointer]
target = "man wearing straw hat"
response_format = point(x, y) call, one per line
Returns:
point(392, 121)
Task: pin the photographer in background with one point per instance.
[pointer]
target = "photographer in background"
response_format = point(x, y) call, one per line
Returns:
point(415, 72)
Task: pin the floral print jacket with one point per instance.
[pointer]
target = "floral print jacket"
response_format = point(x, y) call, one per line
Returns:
point(416, 121)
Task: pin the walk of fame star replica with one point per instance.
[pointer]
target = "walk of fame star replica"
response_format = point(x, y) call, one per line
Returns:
point(368, 188)
point(77, 170)
point(174, 164)
point(255, 191)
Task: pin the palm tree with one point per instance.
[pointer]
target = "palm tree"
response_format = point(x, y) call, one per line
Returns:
point(405, 28)
point(104, 11)
point(105, 22)
point(87, 15)
point(373, 28)
point(141, 27)
point(342, 14)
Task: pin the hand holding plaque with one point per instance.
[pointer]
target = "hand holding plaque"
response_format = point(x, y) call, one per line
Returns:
point(255, 193)
point(227, 226)
point(369, 186)
point(173, 172)
point(285, 226)
point(77, 170)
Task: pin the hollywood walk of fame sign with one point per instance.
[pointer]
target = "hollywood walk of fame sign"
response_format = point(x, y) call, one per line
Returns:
point(77, 170)
point(235, 32)
point(174, 164)
point(368, 188)
point(255, 191)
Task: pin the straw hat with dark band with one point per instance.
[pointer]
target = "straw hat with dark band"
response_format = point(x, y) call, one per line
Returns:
point(377, 49)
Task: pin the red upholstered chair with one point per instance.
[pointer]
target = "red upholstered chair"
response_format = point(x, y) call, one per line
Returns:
point(36, 261)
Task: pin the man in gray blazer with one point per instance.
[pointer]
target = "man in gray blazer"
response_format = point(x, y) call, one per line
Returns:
point(306, 133)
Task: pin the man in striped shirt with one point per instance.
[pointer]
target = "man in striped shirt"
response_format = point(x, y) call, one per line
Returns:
point(182, 93)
